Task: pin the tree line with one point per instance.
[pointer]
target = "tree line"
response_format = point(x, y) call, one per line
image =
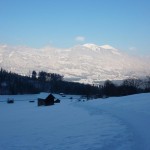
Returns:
point(127, 87)
point(12, 83)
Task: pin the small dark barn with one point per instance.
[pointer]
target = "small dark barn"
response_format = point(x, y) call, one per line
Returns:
point(46, 99)
point(10, 101)
point(57, 101)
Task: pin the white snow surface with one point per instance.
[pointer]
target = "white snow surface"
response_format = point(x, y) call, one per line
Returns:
point(103, 124)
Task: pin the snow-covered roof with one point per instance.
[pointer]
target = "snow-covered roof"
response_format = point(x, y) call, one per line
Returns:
point(43, 95)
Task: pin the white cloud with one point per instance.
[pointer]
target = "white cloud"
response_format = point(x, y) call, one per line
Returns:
point(80, 38)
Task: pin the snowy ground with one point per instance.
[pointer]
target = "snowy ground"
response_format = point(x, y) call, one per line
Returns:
point(104, 124)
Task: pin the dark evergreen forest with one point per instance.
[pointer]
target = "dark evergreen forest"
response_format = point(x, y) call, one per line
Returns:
point(12, 83)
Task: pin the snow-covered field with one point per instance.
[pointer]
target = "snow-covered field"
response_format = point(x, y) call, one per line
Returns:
point(104, 124)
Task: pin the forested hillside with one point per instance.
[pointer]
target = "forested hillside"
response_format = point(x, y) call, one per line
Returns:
point(12, 83)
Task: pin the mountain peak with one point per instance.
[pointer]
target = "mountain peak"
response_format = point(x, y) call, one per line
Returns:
point(95, 47)
point(107, 47)
point(90, 45)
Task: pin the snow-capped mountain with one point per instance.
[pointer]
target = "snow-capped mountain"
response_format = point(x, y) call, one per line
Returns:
point(88, 63)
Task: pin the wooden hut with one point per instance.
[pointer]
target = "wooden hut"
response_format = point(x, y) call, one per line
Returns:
point(57, 101)
point(10, 101)
point(45, 99)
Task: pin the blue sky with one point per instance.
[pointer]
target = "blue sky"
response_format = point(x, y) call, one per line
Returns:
point(124, 24)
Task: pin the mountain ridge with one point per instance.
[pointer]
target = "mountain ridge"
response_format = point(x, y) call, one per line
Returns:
point(88, 63)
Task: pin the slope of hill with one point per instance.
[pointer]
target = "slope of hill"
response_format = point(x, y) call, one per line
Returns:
point(88, 63)
point(118, 123)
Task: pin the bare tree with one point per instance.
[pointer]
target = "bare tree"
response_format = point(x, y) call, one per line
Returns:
point(147, 83)
point(137, 83)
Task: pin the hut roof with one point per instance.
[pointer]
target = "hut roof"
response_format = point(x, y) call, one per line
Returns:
point(43, 95)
